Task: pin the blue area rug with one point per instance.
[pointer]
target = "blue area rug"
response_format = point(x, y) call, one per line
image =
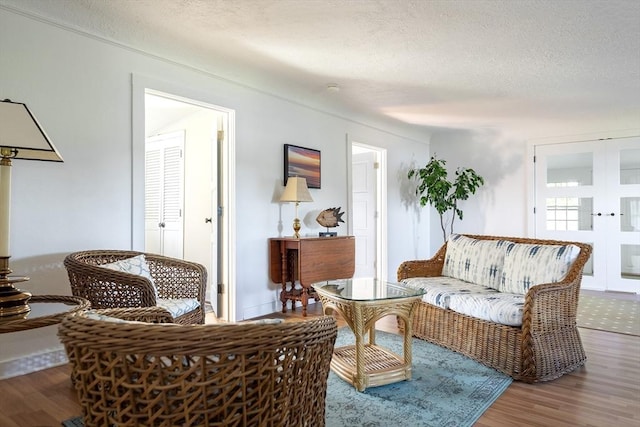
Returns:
point(446, 389)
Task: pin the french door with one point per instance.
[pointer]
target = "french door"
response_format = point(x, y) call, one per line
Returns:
point(590, 192)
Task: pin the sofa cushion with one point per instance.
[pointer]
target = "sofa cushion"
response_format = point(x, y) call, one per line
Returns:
point(135, 265)
point(502, 308)
point(527, 265)
point(475, 261)
point(178, 306)
point(440, 289)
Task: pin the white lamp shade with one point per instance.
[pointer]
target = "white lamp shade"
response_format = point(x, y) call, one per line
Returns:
point(21, 133)
point(296, 190)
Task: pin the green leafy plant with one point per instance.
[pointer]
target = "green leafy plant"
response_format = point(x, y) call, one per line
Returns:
point(435, 189)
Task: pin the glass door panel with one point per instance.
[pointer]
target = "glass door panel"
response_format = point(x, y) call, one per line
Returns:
point(630, 167)
point(590, 192)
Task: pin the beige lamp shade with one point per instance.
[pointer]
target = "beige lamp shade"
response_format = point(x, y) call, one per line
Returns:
point(296, 190)
point(21, 133)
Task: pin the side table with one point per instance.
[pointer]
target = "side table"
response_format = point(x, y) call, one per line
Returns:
point(362, 302)
point(307, 260)
point(46, 310)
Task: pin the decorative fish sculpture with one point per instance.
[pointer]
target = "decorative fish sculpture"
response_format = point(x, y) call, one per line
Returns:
point(330, 217)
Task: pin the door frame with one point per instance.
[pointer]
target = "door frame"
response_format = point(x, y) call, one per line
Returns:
point(227, 268)
point(381, 200)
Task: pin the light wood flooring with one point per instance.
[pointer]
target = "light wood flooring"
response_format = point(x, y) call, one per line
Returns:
point(605, 392)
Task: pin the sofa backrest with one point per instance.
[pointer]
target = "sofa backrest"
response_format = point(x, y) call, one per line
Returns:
point(505, 265)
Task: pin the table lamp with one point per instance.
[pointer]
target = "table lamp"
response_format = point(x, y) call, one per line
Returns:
point(296, 191)
point(21, 137)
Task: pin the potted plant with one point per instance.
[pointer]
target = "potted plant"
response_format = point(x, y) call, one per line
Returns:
point(434, 188)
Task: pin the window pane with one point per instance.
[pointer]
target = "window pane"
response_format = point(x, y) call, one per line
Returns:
point(570, 213)
point(570, 170)
point(630, 261)
point(630, 214)
point(629, 167)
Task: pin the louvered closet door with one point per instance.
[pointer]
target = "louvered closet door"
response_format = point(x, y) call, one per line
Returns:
point(590, 191)
point(164, 194)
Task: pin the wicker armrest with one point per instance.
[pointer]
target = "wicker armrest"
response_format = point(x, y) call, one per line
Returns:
point(555, 305)
point(176, 278)
point(423, 268)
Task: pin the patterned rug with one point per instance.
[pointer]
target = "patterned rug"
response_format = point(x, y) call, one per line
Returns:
point(447, 389)
point(609, 312)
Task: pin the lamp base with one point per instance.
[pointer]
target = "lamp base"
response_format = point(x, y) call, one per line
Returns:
point(296, 228)
point(13, 301)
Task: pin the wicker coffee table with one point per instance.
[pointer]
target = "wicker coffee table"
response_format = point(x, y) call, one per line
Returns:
point(362, 302)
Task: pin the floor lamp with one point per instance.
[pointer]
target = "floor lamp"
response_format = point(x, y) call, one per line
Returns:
point(21, 137)
point(296, 191)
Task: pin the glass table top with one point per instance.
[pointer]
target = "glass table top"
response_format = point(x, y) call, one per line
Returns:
point(366, 289)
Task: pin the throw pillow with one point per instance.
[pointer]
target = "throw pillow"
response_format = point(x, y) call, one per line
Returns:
point(527, 265)
point(475, 260)
point(136, 265)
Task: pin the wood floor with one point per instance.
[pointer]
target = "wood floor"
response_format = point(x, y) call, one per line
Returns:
point(605, 392)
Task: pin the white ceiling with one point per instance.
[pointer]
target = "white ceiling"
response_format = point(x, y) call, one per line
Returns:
point(526, 67)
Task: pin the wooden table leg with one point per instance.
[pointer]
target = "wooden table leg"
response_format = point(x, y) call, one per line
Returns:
point(305, 300)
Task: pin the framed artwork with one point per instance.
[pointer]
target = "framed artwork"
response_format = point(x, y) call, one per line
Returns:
point(302, 162)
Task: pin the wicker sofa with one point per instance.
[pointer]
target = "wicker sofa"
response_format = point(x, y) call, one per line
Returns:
point(544, 344)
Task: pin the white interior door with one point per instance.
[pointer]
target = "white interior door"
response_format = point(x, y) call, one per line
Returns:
point(590, 192)
point(164, 194)
point(364, 212)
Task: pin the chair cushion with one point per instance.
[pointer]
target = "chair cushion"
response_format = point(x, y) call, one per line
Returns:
point(527, 265)
point(475, 261)
point(498, 307)
point(178, 306)
point(440, 289)
point(94, 315)
point(136, 265)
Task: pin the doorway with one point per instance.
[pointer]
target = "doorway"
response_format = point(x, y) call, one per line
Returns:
point(367, 208)
point(208, 202)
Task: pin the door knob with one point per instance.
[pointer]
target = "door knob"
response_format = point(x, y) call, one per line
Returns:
point(598, 214)
point(161, 225)
point(209, 220)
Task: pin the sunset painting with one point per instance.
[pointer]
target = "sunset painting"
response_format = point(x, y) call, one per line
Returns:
point(302, 162)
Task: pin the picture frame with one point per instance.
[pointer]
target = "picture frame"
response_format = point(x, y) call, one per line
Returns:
point(302, 162)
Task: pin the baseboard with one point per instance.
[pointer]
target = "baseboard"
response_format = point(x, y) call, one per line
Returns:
point(32, 363)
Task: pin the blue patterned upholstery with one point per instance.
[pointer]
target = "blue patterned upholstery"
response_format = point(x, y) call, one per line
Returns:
point(179, 306)
point(440, 289)
point(527, 265)
point(476, 261)
point(488, 279)
point(498, 307)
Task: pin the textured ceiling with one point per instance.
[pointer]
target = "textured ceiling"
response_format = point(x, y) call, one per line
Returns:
point(530, 67)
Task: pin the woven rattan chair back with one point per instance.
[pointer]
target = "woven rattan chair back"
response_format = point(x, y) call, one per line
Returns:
point(105, 288)
point(241, 374)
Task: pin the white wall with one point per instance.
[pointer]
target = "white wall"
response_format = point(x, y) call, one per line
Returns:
point(499, 206)
point(80, 89)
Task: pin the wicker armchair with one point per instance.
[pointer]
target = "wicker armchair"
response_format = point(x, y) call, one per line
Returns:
point(105, 288)
point(233, 374)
